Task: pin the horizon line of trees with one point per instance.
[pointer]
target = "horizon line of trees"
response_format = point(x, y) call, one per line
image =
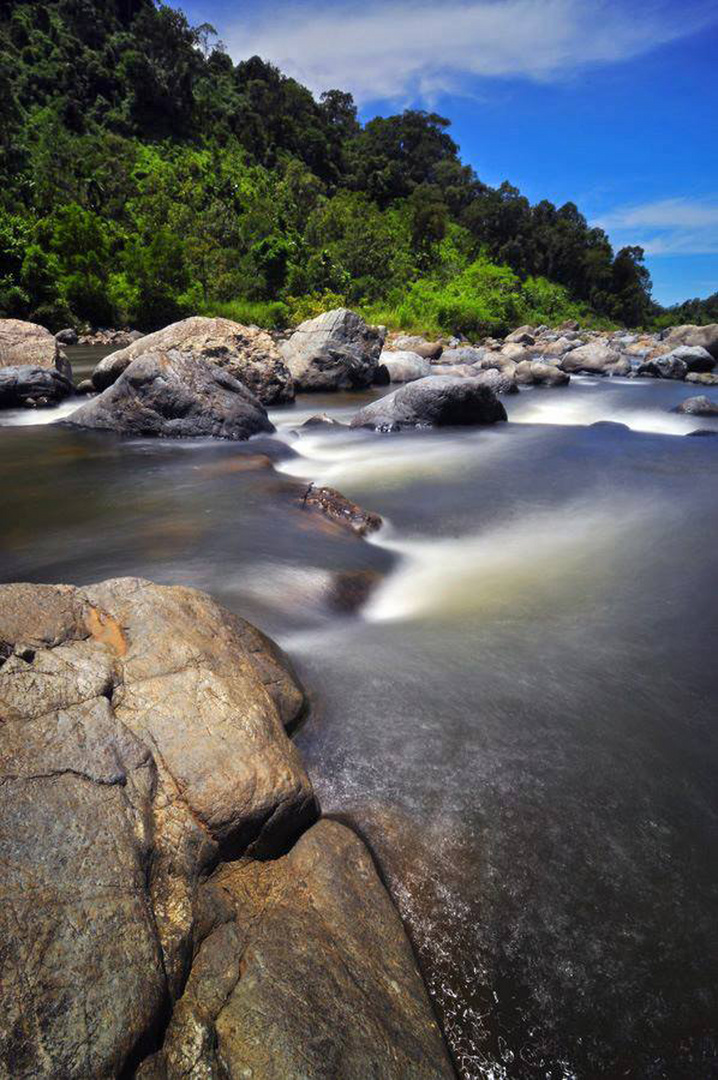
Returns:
point(144, 174)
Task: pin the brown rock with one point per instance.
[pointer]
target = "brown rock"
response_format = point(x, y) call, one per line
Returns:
point(335, 506)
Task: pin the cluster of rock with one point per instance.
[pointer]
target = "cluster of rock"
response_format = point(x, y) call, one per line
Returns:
point(173, 906)
point(544, 357)
point(33, 369)
point(99, 338)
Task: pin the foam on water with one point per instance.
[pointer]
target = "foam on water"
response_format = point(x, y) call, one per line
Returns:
point(35, 417)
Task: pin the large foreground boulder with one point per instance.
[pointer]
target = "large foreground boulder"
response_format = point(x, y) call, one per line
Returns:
point(436, 401)
point(25, 344)
point(28, 386)
point(157, 920)
point(245, 352)
point(335, 351)
point(175, 395)
point(704, 336)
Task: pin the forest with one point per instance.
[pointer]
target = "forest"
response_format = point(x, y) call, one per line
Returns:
point(144, 176)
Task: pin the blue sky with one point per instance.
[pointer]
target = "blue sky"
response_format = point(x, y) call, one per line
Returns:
point(611, 104)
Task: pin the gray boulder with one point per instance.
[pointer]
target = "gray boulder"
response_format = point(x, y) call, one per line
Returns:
point(698, 406)
point(66, 337)
point(175, 395)
point(405, 366)
point(501, 382)
point(28, 386)
point(695, 357)
point(538, 373)
point(462, 354)
point(664, 367)
point(704, 336)
point(24, 344)
point(335, 351)
point(244, 352)
point(437, 401)
point(595, 358)
point(430, 350)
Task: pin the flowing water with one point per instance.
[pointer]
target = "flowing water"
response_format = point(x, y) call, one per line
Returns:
point(521, 720)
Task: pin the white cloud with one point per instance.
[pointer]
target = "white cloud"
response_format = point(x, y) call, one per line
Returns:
point(667, 226)
point(413, 50)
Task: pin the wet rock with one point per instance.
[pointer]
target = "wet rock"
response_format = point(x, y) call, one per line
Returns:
point(322, 422)
point(86, 386)
point(175, 395)
point(244, 352)
point(695, 357)
point(351, 589)
point(66, 337)
point(704, 336)
point(334, 505)
point(32, 386)
point(703, 432)
point(335, 351)
point(432, 402)
point(698, 406)
point(24, 344)
point(405, 366)
point(664, 367)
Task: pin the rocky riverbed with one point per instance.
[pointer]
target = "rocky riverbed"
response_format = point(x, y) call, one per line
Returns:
point(459, 716)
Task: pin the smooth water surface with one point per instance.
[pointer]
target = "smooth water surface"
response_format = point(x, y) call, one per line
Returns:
point(522, 718)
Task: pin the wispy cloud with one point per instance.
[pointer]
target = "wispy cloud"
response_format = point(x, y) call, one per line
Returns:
point(414, 50)
point(667, 226)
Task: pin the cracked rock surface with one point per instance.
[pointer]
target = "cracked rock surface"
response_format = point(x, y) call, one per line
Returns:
point(156, 919)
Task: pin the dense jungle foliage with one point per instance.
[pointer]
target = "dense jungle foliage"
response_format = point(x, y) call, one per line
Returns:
point(145, 176)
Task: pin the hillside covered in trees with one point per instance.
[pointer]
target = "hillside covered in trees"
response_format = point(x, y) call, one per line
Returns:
point(145, 176)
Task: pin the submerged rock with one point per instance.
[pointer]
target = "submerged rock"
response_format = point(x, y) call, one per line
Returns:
point(350, 589)
point(24, 344)
point(335, 351)
point(175, 395)
point(143, 750)
point(334, 505)
point(30, 386)
point(436, 401)
point(244, 352)
point(698, 406)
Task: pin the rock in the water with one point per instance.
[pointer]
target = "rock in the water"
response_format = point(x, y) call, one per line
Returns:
point(157, 901)
point(436, 401)
point(695, 357)
point(539, 373)
point(175, 395)
point(703, 378)
point(322, 422)
point(23, 386)
point(523, 335)
point(85, 387)
point(516, 352)
point(704, 336)
point(66, 337)
point(463, 354)
point(557, 348)
point(405, 366)
point(664, 367)
point(349, 590)
point(698, 406)
point(334, 505)
point(335, 351)
point(245, 352)
point(429, 350)
point(501, 382)
point(596, 358)
point(24, 344)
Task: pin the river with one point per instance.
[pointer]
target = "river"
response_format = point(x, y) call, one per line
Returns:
point(521, 719)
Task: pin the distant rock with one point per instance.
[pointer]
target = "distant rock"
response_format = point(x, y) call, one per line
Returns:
point(66, 337)
point(501, 382)
point(335, 351)
point(664, 367)
point(539, 373)
point(430, 350)
point(322, 422)
point(244, 352)
point(523, 335)
point(698, 406)
point(24, 344)
point(405, 366)
point(462, 354)
point(703, 378)
point(27, 386)
point(174, 395)
point(704, 336)
point(436, 401)
point(695, 357)
point(595, 358)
